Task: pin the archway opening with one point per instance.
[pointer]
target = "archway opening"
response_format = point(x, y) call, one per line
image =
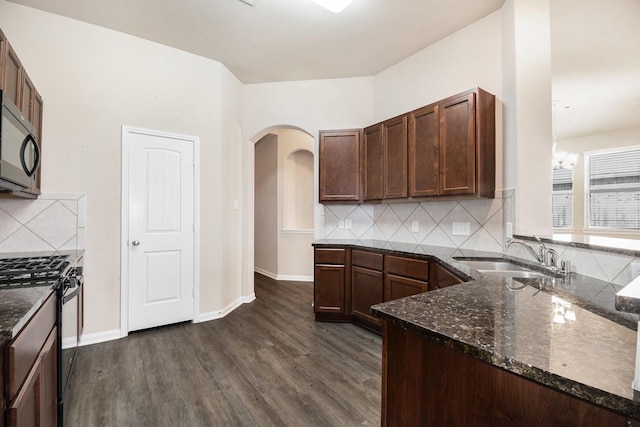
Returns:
point(284, 205)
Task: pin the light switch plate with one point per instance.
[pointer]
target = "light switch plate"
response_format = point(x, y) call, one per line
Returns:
point(461, 228)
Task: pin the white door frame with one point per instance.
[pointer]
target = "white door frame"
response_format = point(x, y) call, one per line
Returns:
point(124, 227)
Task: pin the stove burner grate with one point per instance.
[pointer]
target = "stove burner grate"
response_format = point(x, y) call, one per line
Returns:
point(31, 271)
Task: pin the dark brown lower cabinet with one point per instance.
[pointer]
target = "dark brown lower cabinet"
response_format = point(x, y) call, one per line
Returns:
point(366, 290)
point(399, 287)
point(329, 289)
point(35, 404)
point(440, 277)
point(331, 295)
point(347, 282)
point(425, 383)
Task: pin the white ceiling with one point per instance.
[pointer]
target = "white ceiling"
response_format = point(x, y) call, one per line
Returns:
point(595, 57)
point(282, 40)
point(595, 44)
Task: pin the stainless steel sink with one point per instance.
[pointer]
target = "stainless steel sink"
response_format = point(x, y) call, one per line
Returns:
point(502, 267)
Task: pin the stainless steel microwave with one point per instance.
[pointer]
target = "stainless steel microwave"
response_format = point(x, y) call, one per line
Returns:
point(19, 151)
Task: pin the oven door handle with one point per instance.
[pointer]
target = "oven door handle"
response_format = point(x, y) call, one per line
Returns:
point(68, 297)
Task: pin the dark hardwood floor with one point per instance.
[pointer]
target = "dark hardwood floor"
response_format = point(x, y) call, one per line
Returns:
point(268, 363)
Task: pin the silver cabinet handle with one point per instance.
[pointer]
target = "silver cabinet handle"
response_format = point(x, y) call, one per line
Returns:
point(135, 242)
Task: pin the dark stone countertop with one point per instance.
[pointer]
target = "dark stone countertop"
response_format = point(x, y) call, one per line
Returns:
point(18, 305)
point(509, 323)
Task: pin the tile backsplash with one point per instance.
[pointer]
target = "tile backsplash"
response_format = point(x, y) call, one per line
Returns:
point(432, 223)
point(429, 223)
point(51, 222)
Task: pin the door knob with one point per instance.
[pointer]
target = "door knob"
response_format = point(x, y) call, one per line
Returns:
point(135, 242)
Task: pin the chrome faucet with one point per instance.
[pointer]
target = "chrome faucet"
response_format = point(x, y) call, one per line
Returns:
point(539, 256)
point(547, 257)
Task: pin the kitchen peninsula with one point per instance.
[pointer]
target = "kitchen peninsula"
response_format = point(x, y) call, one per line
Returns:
point(503, 351)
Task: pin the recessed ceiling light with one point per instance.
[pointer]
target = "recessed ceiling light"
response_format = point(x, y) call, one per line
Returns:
point(334, 6)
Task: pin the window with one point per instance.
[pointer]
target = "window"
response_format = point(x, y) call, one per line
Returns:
point(562, 198)
point(613, 189)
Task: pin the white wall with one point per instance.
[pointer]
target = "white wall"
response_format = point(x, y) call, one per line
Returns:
point(282, 253)
point(95, 80)
point(308, 106)
point(527, 112)
point(266, 206)
point(295, 253)
point(468, 58)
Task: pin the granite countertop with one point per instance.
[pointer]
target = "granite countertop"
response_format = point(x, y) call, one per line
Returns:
point(18, 305)
point(513, 324)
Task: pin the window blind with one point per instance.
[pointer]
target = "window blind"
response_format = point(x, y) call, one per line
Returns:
point(562, 198)
point(614, 189)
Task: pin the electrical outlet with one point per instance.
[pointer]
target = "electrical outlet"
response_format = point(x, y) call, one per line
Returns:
point(347, 224)
point(509, 230)
point(415, 226)
point(635, 269)
point(341, 223)
point(461, 228)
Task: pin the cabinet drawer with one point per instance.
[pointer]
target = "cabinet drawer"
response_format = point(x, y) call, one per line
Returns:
point(370, 260)
point(330, 256)
point(24, 349)
point(407, 267)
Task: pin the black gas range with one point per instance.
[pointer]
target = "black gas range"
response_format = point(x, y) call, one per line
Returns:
point(63, 272)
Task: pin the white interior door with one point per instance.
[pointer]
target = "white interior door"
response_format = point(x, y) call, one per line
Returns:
point(161, 230)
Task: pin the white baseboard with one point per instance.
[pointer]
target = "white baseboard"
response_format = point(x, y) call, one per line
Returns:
point(283, 277)
point(289, 278)
point(219, 314)
point(264, 272)
point(114, 334)
point(98, 337)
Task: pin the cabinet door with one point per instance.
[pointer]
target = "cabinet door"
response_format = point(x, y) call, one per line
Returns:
point(373, 162)
point(439, 277)
point(424, 152)
point(457, 145)
point(3, 49)
point(395, 157)
point(366, 290)
point(36, 402)
point(399, 287)
point(12, 75)
point(329, 289)
point(49, 381)
point(27, 95)
point(339, 171)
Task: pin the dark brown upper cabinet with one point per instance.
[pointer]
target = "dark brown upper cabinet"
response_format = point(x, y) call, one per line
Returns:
point(12, 72)
point(467, 144)
point(373, 163)
point(424, 158)
point(395, 158)
point(339, 172)
point(445, 149)
point(457, 145)
point(452, 147)
point(19, 89)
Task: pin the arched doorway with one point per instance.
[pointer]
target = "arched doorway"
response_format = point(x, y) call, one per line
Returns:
point(284, 205)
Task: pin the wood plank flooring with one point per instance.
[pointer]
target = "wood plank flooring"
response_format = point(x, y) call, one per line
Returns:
point(268, 363)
